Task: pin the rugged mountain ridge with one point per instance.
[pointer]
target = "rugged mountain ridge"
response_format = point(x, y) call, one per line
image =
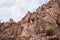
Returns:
point(32, 26)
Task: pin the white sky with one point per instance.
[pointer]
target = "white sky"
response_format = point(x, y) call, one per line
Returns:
point(16, 9)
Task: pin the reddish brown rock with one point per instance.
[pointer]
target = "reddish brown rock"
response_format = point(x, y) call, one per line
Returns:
point(33, 25)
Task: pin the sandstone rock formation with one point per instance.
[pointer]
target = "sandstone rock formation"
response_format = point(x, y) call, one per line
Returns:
point(32, 26)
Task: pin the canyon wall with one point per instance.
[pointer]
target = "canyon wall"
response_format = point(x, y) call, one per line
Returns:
point(33, 25)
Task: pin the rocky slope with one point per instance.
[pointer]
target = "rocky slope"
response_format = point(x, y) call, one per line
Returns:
point(32, 26)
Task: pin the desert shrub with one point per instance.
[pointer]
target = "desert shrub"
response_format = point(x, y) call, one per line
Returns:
point(49, 31)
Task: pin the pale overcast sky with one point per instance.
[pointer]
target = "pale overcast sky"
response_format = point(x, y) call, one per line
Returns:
point(16, 9)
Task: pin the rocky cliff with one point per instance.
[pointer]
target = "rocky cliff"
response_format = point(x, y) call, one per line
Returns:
point(33, 25)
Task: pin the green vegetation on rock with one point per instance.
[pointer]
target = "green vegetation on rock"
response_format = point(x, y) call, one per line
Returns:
point(49, 31)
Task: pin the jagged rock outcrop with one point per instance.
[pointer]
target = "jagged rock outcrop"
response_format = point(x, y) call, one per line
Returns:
point(33, 25)
point(45, 16)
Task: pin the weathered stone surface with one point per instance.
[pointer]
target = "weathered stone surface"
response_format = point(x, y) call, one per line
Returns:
point(32, 26)
point(26, 18)
point(53, 37)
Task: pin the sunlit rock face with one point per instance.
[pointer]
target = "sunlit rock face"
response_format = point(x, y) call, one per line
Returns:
point(33, 25)
point(45, 16)
point(58, 1)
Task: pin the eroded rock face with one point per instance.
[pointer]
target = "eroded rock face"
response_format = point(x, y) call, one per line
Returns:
point(58, 1)
point(45, 16)
point(9, 30)
point(32, 26)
